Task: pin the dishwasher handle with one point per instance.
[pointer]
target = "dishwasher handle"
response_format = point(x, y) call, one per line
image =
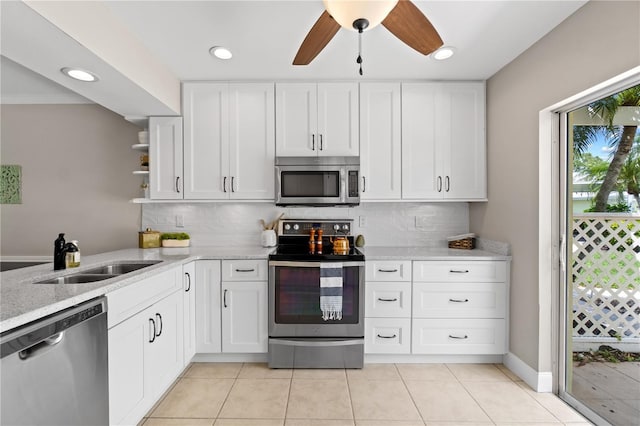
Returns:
point(43, 334)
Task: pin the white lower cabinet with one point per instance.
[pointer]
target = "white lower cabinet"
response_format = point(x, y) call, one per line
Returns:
point(458, 336)
point(145, 357)
point(231, 306)
point(387, 335)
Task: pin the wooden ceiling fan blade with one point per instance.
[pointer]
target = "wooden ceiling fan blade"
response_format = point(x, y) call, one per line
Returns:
point(320, 34)
point(410, 25)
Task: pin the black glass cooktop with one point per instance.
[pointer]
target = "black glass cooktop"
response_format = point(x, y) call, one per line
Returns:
point(300, 252)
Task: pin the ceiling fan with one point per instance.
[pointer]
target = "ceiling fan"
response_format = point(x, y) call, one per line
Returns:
point(401, 17)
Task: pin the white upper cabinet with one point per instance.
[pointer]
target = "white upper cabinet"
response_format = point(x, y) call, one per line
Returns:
point(380, 141)
point(317, 119)
point(229, 140)
point(165, 151)
point(443, 141)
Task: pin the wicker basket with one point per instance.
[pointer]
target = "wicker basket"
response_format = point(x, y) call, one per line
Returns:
point(464, 244)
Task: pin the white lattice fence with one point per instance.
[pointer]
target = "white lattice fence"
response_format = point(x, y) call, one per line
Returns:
point(606, 277)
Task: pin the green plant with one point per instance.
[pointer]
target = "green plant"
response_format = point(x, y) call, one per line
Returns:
point(174, 236)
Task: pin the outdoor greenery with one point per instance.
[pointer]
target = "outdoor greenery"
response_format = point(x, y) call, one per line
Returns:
point(622, 172)
point(605, 354)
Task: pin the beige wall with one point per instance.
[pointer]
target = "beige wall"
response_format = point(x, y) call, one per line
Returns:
point(76, 178)
point(601, 40)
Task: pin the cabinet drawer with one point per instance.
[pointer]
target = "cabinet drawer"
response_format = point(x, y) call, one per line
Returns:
point(244, 270)
point(387, 300)
point(132, 299)
point(387, 335)
point(459, 300)
point(469, 271)
point(458, 336)
point(387, 270)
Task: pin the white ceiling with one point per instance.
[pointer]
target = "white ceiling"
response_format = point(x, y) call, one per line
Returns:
point(265, 35)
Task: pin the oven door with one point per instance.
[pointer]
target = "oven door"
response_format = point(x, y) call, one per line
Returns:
point(294, 301)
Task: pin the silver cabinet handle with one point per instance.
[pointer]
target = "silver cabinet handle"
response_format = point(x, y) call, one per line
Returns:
point(439, 183)
point(446, 184)
point(313, 142)
point(153, 331)
point(188, 282)
point(245, 270)
point(224, 298)
point(320, 142)
point(224, 184)
point(177, 186)
point(459, 337)
point(232, 181)
point(395, 299)
point(459, 300)
point(364, 184)
point(159, 318)
point(459, 271)
point(387, 270)
point(387, 337)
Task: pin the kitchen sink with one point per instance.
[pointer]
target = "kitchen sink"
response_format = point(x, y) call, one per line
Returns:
point(120, 268)
point(100, 273)
point(78, 279)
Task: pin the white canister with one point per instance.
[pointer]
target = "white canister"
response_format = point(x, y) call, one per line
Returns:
point(268, 238)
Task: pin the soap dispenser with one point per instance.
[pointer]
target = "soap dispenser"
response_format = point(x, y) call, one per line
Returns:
point(72, 254)
point(59, 253)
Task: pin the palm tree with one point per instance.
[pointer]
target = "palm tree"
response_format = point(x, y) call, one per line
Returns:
point(622, 138)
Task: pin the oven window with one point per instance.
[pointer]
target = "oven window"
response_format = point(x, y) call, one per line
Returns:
point(310, 184)
point(297, 296)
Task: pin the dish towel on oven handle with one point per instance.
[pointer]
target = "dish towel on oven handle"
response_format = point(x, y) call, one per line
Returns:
point(331, 291)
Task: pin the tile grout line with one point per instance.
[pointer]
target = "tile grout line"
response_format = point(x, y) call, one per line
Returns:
point(410, 394)
point(469, 393)
point(235, 380)
point(286, 406)
point(353, 410)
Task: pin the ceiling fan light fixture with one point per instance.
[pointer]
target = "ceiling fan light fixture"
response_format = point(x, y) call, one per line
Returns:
point(346, 12)
point(445, 52)
point(221, 52)
point(79, 74)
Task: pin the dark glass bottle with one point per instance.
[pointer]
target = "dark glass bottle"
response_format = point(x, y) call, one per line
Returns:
point(59, 253)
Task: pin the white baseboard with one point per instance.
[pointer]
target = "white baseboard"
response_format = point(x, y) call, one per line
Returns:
point(540, 381)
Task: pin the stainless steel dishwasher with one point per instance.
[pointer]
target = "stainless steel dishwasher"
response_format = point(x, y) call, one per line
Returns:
point(54, 371)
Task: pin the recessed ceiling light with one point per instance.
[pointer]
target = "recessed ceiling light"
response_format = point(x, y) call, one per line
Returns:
point(445, 52)
point(221, 52)
point(79, 74)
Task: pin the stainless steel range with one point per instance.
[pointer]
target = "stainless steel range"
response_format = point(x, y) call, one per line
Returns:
point(316, 296)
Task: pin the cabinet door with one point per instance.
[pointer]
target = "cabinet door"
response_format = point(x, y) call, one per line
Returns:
point(208, 306)
point(127, 342)
point(338, 131)
point(244, 317)
point(464, 147)
point(165, 158)
point(164, 357)
point(189, 310)
point(421, 165)
point(380, 141)
point(252, 141)
point(206, 141)
point(296, 119)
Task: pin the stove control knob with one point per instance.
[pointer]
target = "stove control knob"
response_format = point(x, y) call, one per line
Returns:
point(336, 227)
point(287, 227)
point(345, 227)
point(296, 227)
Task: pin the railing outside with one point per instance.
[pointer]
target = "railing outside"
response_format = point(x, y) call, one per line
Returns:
point(606, 281)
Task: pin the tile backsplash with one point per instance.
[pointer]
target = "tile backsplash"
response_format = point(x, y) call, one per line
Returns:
point(385, 224)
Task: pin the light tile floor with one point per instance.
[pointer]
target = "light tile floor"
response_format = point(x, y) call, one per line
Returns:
point(236, 394)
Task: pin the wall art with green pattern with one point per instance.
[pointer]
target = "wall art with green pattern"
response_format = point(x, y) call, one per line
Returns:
point(11, 184)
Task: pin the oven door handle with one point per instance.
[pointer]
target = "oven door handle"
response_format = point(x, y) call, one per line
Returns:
point(347, 342)
point(310, 264)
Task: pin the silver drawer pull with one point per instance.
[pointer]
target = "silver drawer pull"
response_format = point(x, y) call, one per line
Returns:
point(246, 270)
point(459, 337)
point(387, 337)
point(459, 271)
point(459, 300)
point(387, 270)
point(395, 299)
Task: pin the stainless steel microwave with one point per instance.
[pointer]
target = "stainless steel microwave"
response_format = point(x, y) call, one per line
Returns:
point(317, 181)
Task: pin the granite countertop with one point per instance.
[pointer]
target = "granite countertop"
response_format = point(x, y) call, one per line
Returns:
point(23, 301)
point(429, 253)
